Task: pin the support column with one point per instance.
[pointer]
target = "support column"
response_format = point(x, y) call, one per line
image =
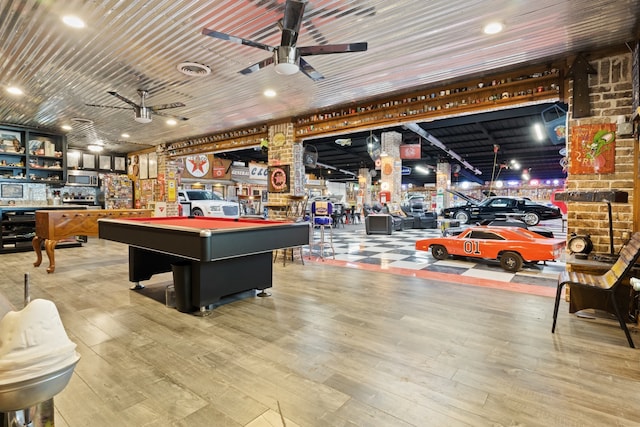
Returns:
point(391, 165)
point(443, 182)
point(285, 169)
point(364, 191)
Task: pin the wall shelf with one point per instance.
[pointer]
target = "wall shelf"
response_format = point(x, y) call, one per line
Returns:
point(499, 92)
point(30, 156)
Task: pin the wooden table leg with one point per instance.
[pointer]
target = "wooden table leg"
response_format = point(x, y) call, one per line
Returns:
point(37, 248)
point(49, 247)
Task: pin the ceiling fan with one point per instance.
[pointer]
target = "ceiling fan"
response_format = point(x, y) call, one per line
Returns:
point(142, 111)
point(288, 58)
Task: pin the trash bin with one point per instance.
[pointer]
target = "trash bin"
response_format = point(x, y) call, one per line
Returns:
point(182, 286)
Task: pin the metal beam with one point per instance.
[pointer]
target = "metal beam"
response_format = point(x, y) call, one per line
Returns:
point(415, 128)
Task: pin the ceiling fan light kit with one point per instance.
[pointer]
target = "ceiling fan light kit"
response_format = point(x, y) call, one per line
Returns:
point(287, 60)
point(142, 115)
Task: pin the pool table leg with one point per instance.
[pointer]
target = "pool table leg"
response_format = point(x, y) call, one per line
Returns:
point(50, 249)
point(37, 248)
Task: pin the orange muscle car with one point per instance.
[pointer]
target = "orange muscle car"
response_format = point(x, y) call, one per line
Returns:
point(512, 246)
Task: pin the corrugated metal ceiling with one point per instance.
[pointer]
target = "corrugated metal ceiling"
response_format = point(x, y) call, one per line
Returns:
point(137, 44)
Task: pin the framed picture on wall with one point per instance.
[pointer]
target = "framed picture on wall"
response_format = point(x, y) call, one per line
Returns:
point(12, 191)
point(153, 165)
point(144, 166)
point(73, 159)
point(120, 163)
point(88, 161)
point(105, 162)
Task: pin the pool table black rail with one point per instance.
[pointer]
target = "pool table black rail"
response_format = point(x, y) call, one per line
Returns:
point(192, 244)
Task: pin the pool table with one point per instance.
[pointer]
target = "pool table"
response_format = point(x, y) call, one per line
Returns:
point(225, 255)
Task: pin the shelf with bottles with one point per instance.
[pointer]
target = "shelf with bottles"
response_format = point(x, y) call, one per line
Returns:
point(478, 94)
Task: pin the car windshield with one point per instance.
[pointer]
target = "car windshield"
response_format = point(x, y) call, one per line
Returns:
point(203, 195)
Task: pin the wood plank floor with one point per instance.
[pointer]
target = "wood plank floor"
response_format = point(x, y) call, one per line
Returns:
point(331, 347)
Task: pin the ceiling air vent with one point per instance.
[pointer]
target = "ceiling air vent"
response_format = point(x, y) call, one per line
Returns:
point(81, 121)
point(193, 69)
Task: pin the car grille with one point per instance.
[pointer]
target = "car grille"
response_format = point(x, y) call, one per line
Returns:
point(230, 210)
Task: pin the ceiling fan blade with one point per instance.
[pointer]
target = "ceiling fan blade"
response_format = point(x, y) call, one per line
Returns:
point(122, 98)
point(237, 40)
point(169, 115)
point(107, 106)
point(166, 106)
point(293, 12)
point(309, 71)
point(257, 66)
point(332, 48)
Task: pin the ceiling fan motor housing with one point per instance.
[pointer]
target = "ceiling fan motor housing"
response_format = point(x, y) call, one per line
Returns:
point(143, 115)
point(287, 60)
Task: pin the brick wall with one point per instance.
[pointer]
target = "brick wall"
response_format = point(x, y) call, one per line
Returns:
point(610, 98)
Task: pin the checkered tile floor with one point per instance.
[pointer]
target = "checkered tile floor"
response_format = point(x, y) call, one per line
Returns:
point(353, 245)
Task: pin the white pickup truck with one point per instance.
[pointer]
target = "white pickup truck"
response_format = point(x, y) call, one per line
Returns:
point(206, 203)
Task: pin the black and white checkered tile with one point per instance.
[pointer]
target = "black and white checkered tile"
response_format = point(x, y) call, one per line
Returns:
point(353, 245)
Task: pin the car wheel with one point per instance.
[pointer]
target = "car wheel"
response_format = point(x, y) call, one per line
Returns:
point(511, 261)
point(531, 218)
point(439, 252)
point(197, 212)
point(462, 216)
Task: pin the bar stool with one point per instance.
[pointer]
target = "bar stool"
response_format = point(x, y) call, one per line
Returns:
point(321, 217)
point(296, 211)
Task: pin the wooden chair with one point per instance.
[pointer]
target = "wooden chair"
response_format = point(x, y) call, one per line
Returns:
point(606, 283)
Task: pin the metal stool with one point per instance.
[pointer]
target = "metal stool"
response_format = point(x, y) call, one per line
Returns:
point(321, 217)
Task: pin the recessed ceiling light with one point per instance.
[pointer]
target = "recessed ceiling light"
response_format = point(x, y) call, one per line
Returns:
point(493, 28)
point(172, 122)
point(73, 21)
point(96, 148)
point(66, 127)
point(125, 135)
point(270, 93)
point(13, 90)
point(193, 69)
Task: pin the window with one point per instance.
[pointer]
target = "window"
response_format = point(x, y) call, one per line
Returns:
point(484, 235)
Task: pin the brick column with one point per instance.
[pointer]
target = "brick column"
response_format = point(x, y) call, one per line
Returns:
point(289, 153)
point(610, 100)
point(391, 165)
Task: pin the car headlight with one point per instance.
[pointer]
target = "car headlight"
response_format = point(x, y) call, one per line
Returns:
point(215, 208)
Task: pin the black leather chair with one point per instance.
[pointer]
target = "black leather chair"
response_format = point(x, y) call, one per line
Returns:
point(377, 208)
point(421, 219)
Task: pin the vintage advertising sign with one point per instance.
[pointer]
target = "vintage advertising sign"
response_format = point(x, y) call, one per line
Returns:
point(593, 149)
point(206, 166)
point(279, 179)
point(410, 151)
